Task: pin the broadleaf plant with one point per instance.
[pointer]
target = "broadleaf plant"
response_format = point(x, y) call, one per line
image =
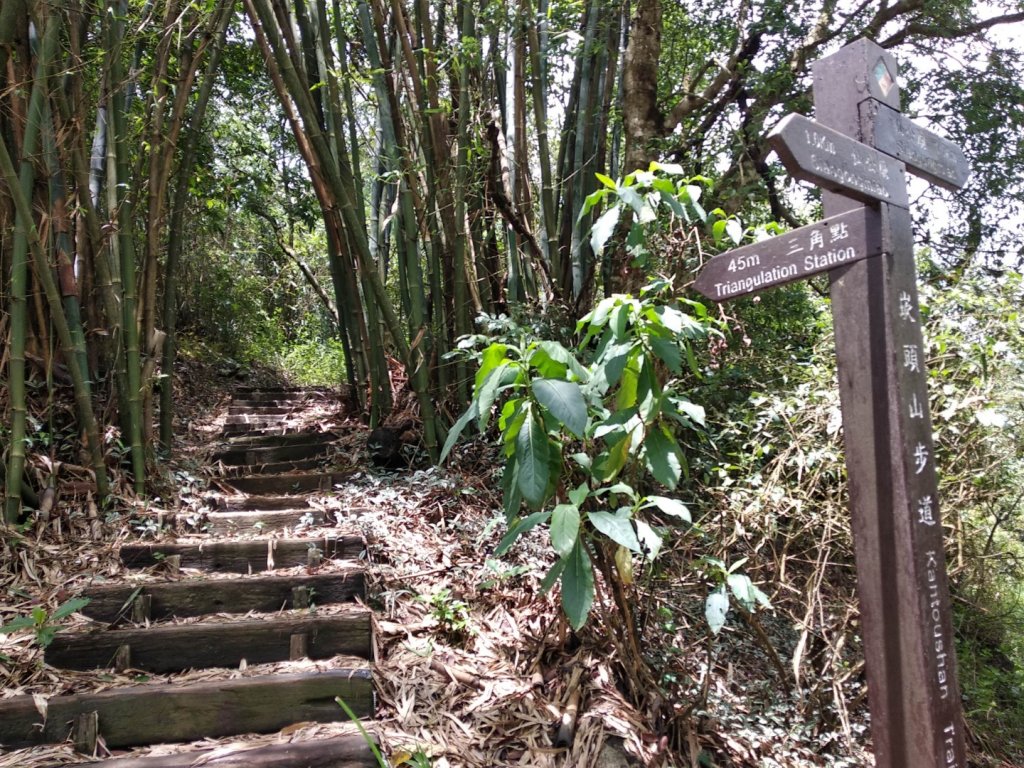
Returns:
point(586, 432)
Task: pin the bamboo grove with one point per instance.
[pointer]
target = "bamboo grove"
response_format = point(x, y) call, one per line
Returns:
point(451, 148)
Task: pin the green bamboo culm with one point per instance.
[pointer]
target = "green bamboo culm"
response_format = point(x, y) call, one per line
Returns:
point(116, 11)
point(25, 229)
point(22, 183)
point(339, 180)
point(62, 238)
point(175, 234)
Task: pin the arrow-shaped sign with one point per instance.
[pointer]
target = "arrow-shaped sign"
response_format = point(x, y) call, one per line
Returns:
point(832, 160)
point(925, 153)
point(827, 244)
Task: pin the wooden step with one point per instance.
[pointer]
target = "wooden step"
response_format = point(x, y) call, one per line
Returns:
point(193, 597)
point(297, 482)
point(257, 502)
point(154, 714)
point(272, 453)
point(247, 391)
point(249, 431)
point(273, 400)
point(292, 438)
point(176, 647)
point(276, 467)
point(264, 409)
point(254, 418)
point(346, 751)
point(247, 556)
point(255, 522)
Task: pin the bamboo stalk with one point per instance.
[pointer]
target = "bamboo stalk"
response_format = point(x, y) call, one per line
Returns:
point(132, 421)
point(176, 224)
point(44, 275)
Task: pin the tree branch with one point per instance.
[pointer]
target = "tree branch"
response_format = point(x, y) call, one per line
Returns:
point(916, 29)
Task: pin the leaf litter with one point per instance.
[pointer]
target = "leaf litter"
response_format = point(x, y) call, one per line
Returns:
point(474, 667)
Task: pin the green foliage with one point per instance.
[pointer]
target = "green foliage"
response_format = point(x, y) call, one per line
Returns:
point(590, 434)
point(44, 624)
point(729, 580)
point(313, 362)
point(653, 199)
point(451, 614)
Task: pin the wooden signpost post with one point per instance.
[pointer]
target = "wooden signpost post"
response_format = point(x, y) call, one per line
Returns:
point(857, 149)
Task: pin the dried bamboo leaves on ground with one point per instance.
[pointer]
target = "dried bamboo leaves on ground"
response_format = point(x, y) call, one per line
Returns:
point(477, 668)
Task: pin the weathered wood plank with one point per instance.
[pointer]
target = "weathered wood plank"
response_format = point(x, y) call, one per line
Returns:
point(261, 521)
point(347, 751)
point(263, 408)
point(246, 556)
point(153, 714)
point(198, 597)
point(172, 648)
point(257, 503)
point(274, 467)
point(291, 438)
point(288, 483)
point(272, 453)
point(248, 391)
point(253, 418)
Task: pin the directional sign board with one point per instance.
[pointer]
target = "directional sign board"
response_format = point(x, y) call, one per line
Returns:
point(832, 160)
point(907, 628)
point(798, 254)
point(925, 153)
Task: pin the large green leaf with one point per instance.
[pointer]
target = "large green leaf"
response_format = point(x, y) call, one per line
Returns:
point(551, 351)
point(490, 359)
point(667, 351)
point(511, 498)
point(664, 458)
point(577, 585)
point(518, 529)
point(626, 396)
point(70, 606)
point(565, 528)
point(609, 463)
point(671, 507)
point(564, 400)
point(603, 228)
point(532, 457)
point(486, 392)
point(552, 576)
point(456, 430)
point(650, 540)
point(618, 527)
point(746, 592)
point(716, 608)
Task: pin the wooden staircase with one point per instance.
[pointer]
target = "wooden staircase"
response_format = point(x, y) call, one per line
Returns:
point(218, 600)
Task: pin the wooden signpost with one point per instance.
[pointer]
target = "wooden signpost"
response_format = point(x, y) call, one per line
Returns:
point(857, 149)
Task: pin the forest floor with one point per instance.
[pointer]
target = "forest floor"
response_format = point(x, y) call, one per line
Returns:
point(475, 666)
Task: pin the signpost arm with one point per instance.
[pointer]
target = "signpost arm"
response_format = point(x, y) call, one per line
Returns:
point(906, 625)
